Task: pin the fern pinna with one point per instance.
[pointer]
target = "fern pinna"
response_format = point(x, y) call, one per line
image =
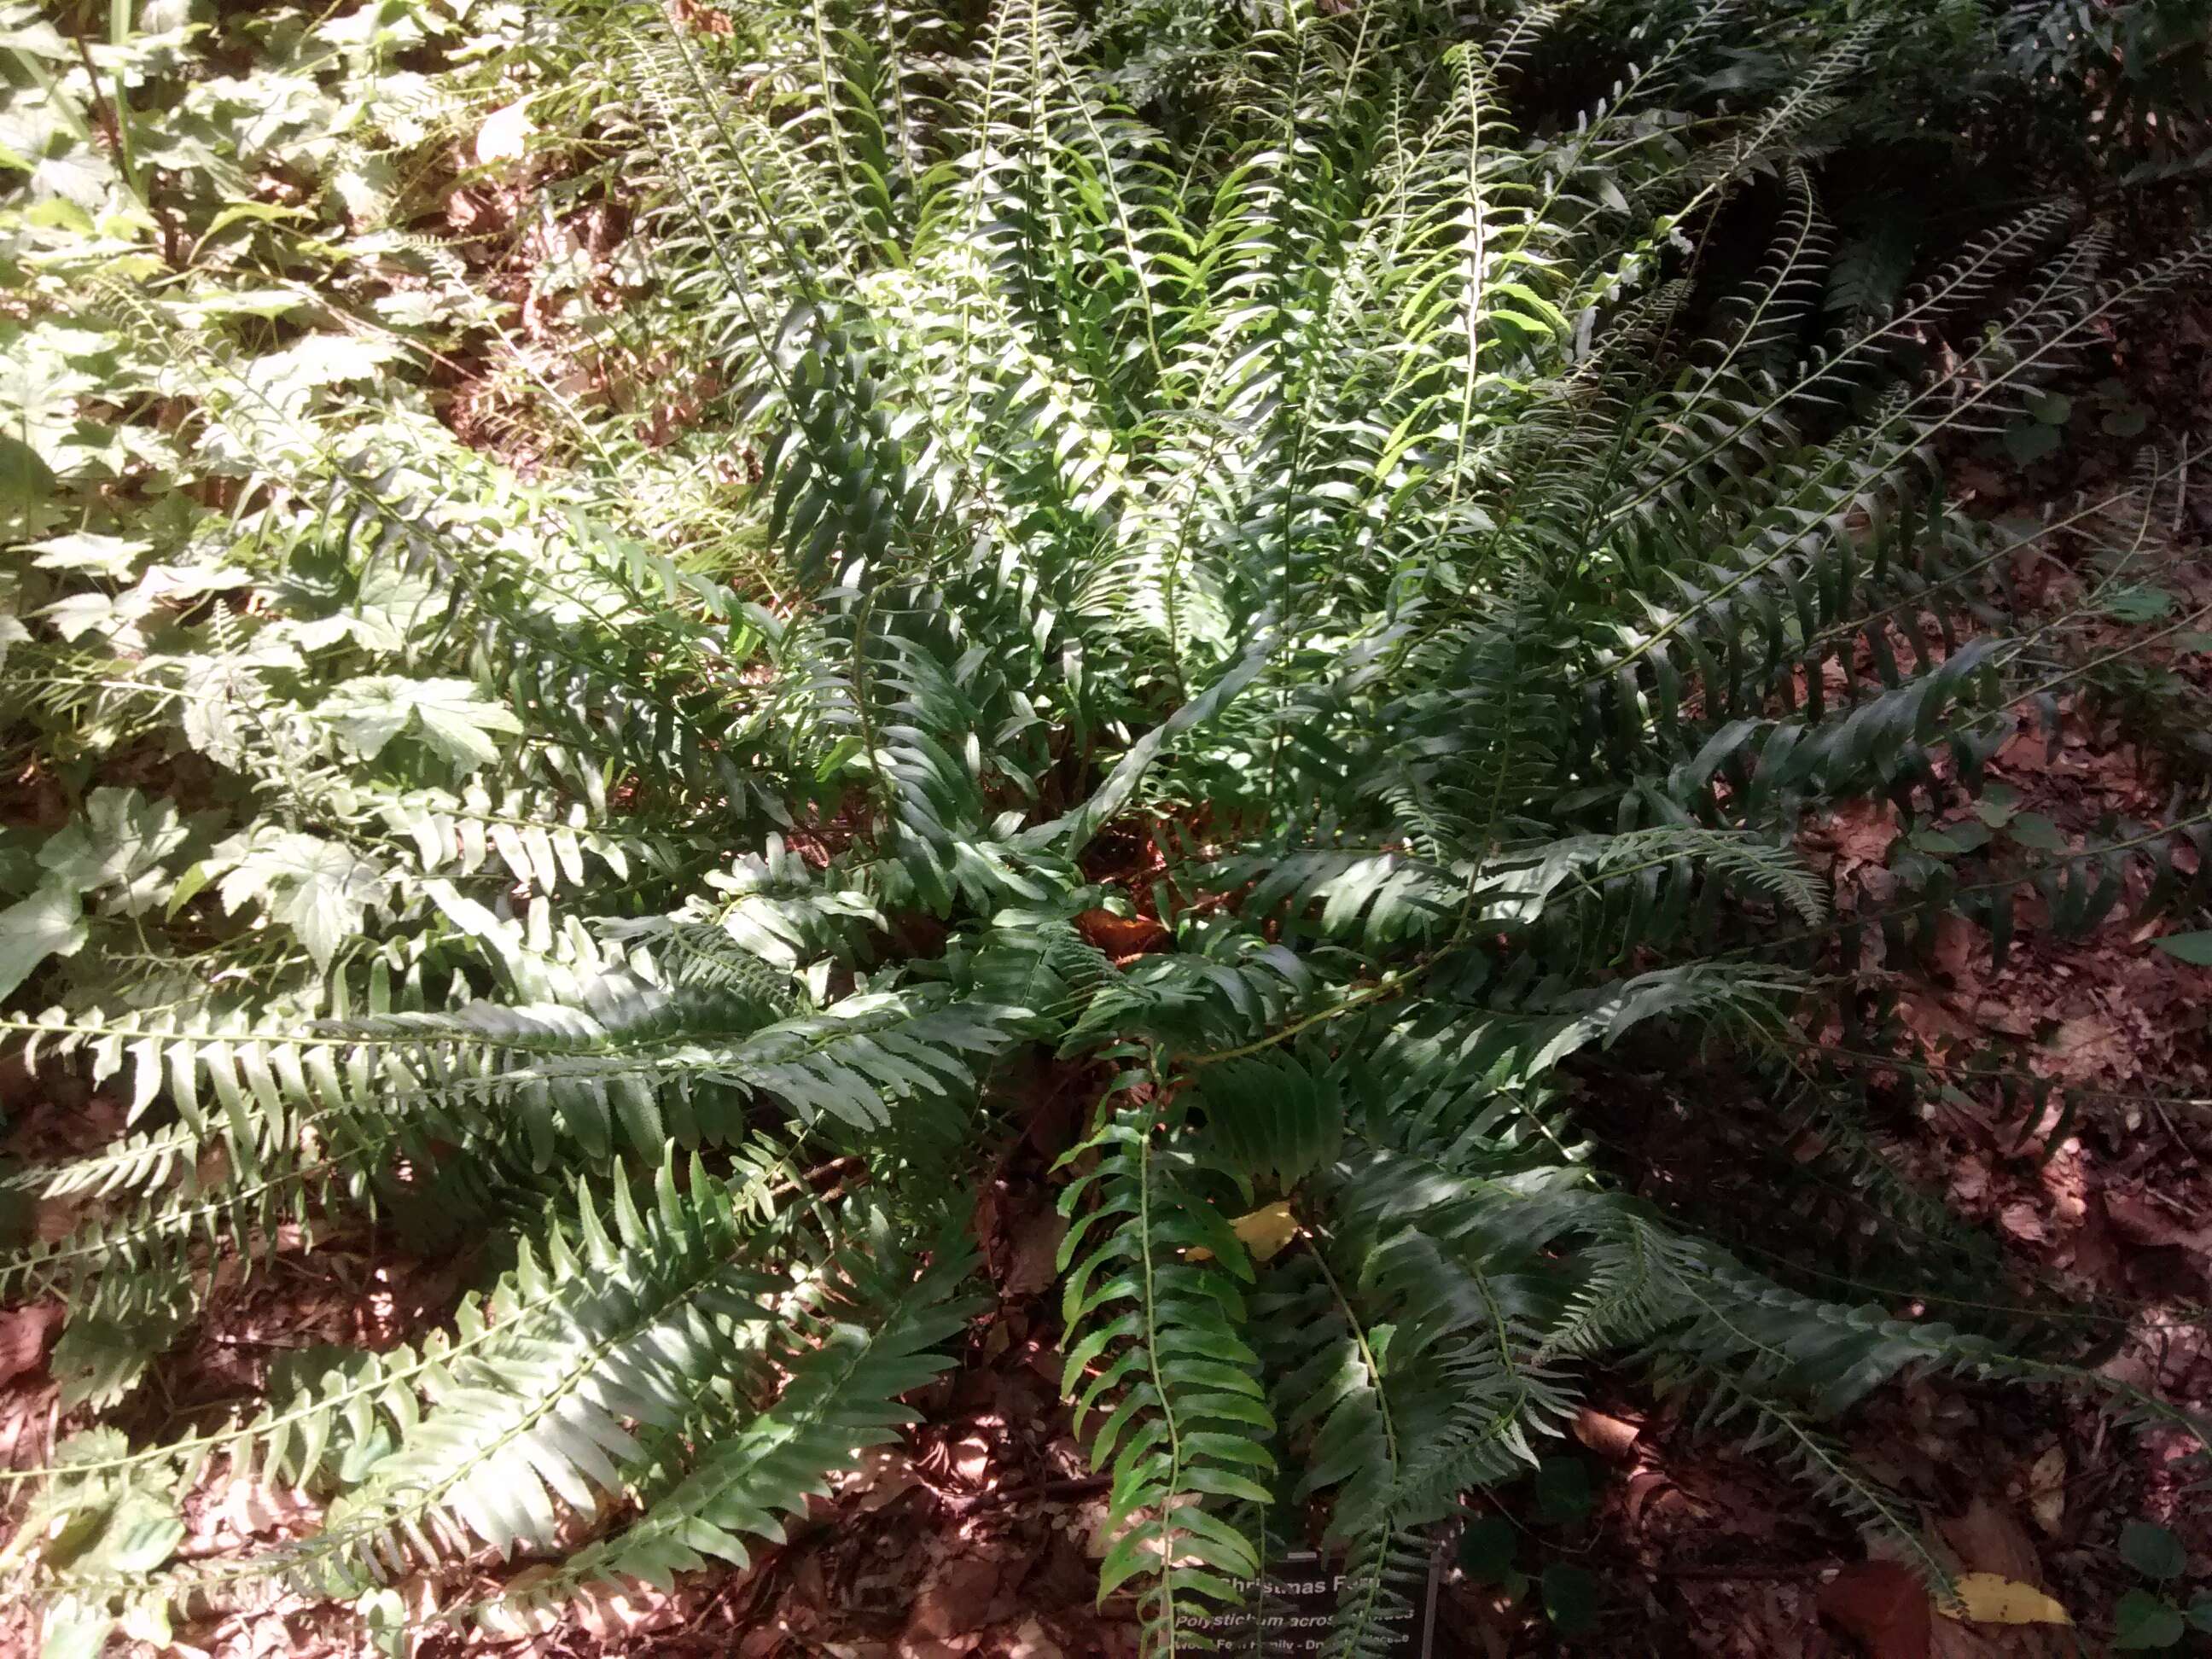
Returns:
point(1224, 426)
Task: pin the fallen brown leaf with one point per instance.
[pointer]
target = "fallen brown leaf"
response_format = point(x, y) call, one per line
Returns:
point(881, 1476)
point(1122, 936)
point(254, 1509)
point(2137, 1216)
point(25, 1335)
point(1861, 832)
point(1990, 1540)
point(2067, 1183)
point(1650, 1488)
point(1033, 1263)
point(1959, 951)
point(1969, 1179)
point(1613, 1437)
point(2088, 1047)
point(956, 1599)
point(971, 1458)
point(1883, 1604)
point(1931, 1019)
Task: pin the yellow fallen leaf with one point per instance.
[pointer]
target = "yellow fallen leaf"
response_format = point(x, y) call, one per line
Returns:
point(1264, 1232)
point(1267, 1230)
point(1989, 1598)
point(504, 134)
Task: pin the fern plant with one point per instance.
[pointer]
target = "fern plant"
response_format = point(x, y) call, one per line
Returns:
point(1227, 426)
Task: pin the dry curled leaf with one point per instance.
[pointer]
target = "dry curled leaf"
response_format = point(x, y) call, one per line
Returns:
point(1609, 1437)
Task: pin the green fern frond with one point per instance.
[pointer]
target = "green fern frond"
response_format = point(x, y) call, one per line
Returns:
point(1157, 1364)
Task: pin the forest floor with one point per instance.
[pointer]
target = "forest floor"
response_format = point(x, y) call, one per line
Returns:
point(980, 1533)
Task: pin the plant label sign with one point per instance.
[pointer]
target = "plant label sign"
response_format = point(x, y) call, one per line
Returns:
point(1288, 1610)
